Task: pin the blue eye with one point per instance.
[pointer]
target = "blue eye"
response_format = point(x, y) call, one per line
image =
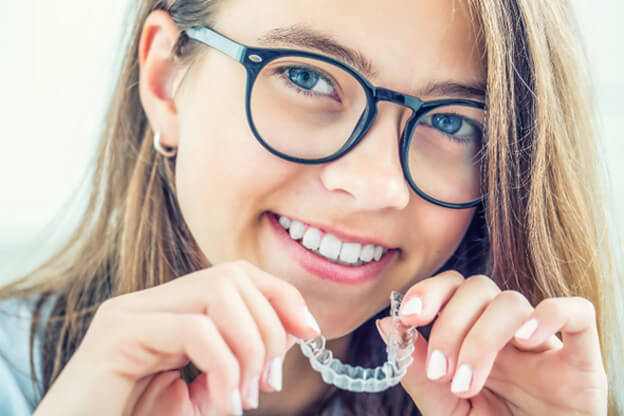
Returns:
point(303, 78)
point(447, 123)
point(309, 80)
point(454, 126)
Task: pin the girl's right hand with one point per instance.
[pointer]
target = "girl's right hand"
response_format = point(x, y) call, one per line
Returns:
point(231, 320)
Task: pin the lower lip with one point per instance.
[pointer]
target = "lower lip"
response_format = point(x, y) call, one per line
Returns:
point(325, 269)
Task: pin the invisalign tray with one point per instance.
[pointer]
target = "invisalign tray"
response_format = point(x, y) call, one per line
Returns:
point(399, 348)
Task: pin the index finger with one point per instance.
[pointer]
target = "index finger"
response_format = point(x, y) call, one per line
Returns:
point(193, 293)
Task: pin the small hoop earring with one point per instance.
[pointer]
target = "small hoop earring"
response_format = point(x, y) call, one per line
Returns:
point(159, 148)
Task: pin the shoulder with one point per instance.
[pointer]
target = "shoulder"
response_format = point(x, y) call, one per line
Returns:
point(18, 395)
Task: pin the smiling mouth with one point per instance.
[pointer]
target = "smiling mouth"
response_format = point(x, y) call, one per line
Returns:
point(320, 266)
point(328, 245)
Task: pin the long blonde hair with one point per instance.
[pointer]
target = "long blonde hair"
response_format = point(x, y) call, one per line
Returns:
point(544, 219)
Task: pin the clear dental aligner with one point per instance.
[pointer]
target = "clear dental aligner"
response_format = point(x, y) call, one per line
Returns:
point(399, 349)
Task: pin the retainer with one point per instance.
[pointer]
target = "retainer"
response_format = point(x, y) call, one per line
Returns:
point(399, 349)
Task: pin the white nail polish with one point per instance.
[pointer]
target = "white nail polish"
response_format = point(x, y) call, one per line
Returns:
point(309, 320)
point(412, 306)
point(462, 379)
point(437, 365)
point(235, 403)
point(275, 373)
point(251, 391)
point(526, 330)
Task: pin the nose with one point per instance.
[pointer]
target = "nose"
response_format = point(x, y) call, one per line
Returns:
point(371, 171)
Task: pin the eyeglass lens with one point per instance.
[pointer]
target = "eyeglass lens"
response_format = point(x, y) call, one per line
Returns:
point(307, 108)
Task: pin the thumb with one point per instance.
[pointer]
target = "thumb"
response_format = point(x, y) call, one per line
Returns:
point(429, 396)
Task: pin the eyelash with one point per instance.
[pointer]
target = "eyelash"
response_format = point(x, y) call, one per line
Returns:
point(453, 138)
point(281, 71)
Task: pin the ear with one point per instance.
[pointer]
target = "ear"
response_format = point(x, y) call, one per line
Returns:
point(158, 75)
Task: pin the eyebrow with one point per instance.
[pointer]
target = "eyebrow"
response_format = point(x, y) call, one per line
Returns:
point(473, 90)
point(303, 36)
point(306, 37)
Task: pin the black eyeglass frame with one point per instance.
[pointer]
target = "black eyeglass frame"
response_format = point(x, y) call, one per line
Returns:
point(254, 59)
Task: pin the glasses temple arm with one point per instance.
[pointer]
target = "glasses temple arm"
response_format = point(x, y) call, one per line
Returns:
point(218, 41)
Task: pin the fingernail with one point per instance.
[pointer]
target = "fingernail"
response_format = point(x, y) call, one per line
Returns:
point(437, 365)
point(411, 307)
point(309, 320)
point(462, 379)
point(235, 403)
point(526, 330)
point(250, 391)
point(273, 373)
point(381, 332)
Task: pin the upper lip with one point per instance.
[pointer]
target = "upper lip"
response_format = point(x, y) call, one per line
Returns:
point(371, 237)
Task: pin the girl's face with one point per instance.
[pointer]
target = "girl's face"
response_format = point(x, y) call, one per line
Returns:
point(228, 184)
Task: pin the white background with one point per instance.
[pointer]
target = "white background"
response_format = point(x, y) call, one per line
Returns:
point(58, 61)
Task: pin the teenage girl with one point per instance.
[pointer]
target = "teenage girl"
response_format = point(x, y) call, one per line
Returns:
point(274, 169)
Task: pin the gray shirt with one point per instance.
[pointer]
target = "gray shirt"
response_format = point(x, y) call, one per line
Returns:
point(18, 396)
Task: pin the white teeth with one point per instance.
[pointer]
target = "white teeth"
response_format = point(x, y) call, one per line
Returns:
point(330, 246)
point(296, 230)
point(284, 221)
point(312, 239)
point(350, 252)
point(367, 252)
point(378, 252)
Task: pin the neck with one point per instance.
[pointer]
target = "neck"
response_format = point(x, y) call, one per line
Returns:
point(302, 384)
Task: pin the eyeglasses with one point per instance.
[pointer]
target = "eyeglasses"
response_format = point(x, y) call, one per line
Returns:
point(309, 108)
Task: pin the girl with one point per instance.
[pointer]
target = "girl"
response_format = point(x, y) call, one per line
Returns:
point(275, 169)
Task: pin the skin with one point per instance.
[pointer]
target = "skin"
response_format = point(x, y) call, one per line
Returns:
point(204, 118)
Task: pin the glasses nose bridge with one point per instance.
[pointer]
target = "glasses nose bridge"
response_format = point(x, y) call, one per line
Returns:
point(413, 103)
point(385, 94)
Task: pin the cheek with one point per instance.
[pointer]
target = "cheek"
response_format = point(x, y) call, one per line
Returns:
point(446, 226)
point(440, 232)
point(223, 177)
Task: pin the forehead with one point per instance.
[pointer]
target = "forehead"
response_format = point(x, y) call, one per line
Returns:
point(409, 43)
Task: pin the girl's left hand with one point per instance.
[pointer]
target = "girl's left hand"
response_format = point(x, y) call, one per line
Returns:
point(500, 373)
